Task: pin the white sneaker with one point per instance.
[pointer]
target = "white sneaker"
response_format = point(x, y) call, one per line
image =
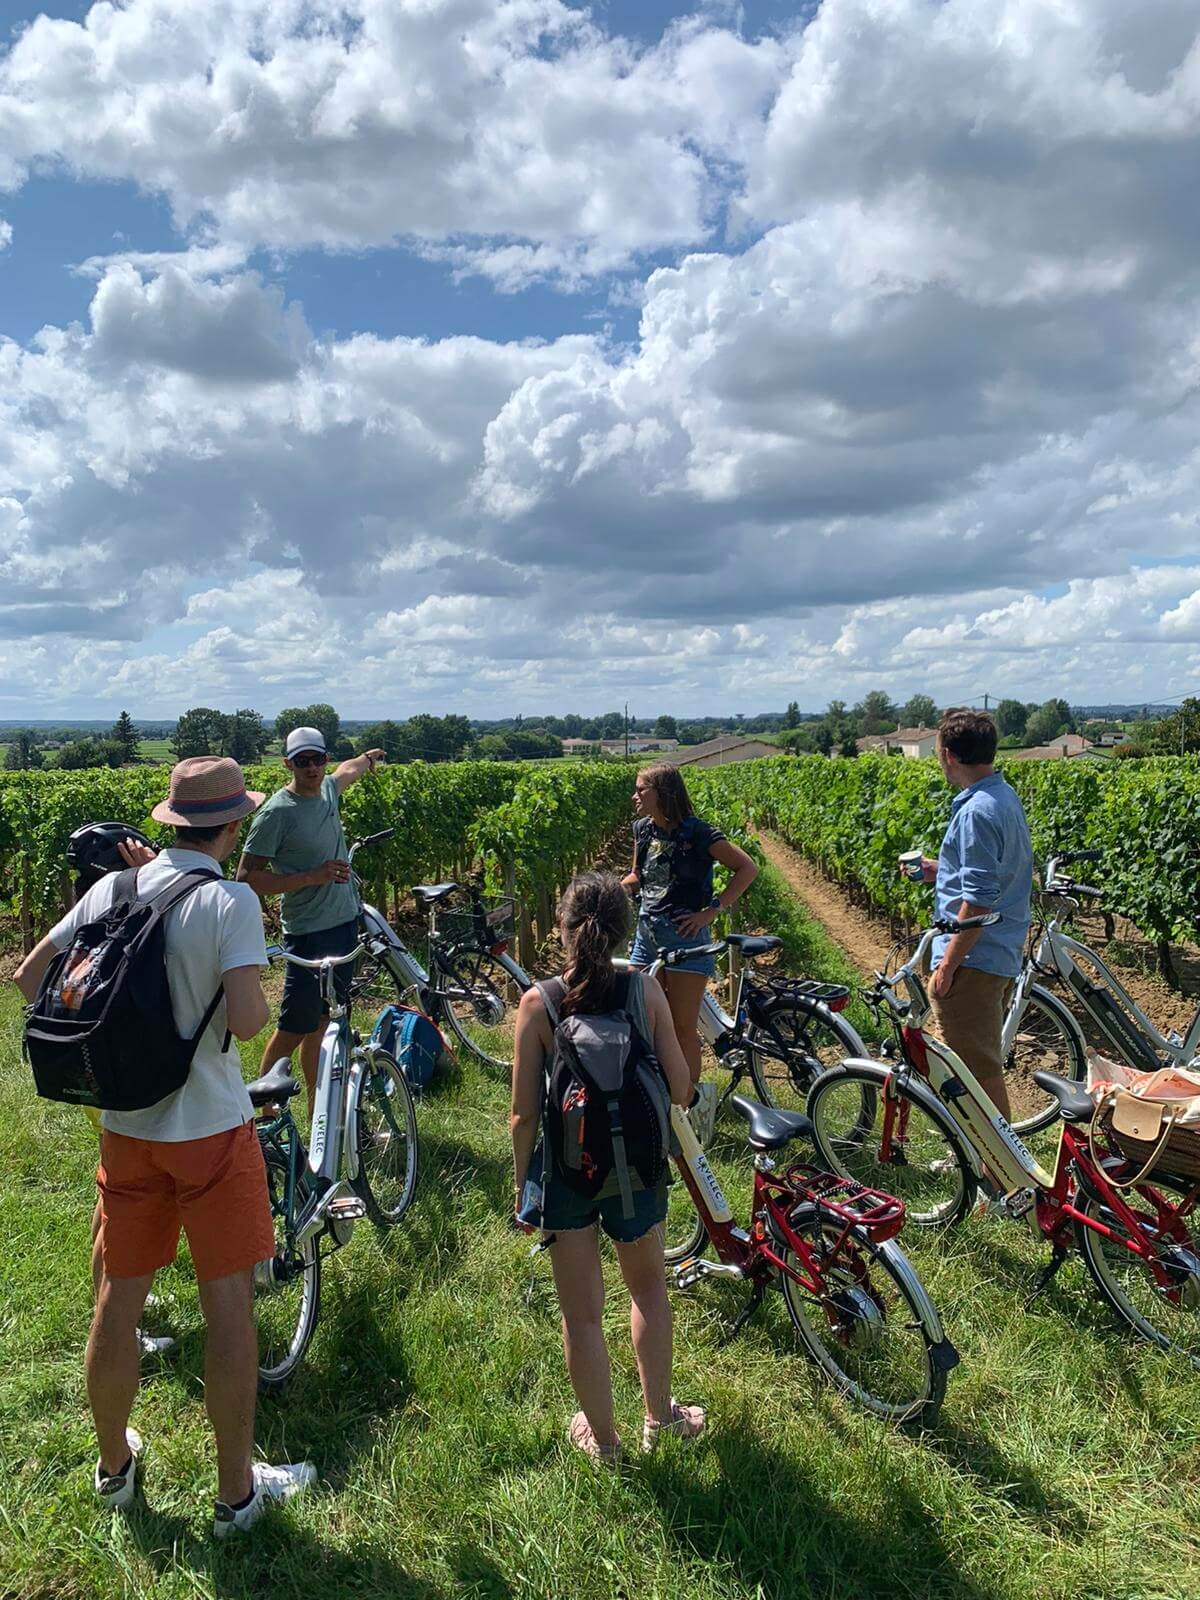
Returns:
point(702, 1113)
point(151, 1344)
point(116, 1491)
point(270, 1483)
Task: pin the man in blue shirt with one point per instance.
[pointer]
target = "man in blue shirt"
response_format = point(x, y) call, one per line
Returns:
point(985, 864)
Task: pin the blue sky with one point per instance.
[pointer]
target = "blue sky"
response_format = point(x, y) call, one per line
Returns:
point(706, 358)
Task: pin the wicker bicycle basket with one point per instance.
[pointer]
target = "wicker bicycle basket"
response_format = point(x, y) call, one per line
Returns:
point(1178, 1155)
point(487, 925)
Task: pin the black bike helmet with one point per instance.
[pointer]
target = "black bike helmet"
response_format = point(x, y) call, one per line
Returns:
point(92, 851)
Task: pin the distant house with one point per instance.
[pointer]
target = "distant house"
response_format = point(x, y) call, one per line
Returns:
point(616, 747)
point(911, 743)
point(1067, 747)
point(717, 752)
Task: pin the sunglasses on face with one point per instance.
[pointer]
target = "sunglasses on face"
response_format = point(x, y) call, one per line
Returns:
point(314, 758)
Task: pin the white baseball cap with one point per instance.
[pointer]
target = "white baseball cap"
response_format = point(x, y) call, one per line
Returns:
point(303, 739)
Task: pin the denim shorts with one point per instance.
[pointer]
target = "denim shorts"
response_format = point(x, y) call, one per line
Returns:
point(558, 1209)
point(656, 935)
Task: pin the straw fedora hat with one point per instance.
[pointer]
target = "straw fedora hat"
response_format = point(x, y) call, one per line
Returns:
point(206, 792)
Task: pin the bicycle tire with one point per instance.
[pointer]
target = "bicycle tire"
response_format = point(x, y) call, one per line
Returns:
point(837, 1107)
point(285, 1334)
point(395, 1139)
point(852, 1321)
point(1092, 1247)
point(1050, 1041)
point(815, 1039)
point(483, 1016)
point(684, 1236)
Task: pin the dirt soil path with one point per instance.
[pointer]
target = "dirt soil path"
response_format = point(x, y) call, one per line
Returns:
point(866, 939)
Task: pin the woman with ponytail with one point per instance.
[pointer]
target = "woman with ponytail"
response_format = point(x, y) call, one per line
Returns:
point(594, 922)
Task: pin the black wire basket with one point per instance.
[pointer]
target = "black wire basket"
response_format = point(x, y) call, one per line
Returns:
point(488, 923)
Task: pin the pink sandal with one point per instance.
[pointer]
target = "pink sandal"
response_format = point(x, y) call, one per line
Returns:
point(687, 1422)
point(579, 1432)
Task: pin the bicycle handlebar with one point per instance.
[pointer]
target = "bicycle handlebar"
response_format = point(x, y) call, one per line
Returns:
point(276, 952)
point(1053, 884)
point(372, 838)
point(671, 958)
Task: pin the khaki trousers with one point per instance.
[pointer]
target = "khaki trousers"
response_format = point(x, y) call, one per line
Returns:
point(970, 1019)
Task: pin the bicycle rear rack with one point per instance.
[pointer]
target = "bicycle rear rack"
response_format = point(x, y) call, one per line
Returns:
point(834, 996)
point(852, 1203)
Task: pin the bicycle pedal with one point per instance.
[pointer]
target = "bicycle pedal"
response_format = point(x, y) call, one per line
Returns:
point(347, 1208)
point(687, 1275)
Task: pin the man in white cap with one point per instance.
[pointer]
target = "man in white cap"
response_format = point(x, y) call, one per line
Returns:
point(296, 847)
point(192, 1161)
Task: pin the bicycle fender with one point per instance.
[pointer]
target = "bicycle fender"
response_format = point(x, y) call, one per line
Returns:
point(931, 1323)
point(358, 1068)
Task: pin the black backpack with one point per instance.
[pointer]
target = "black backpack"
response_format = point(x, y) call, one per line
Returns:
point(101, 1031)
point(608, 1108)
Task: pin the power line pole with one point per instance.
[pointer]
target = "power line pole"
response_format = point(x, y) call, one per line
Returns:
point(627, 730)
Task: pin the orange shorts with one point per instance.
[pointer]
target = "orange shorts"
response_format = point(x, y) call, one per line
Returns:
point(215, 1189)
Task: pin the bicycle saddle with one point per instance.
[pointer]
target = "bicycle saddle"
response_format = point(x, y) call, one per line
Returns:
point(754, 944)
point(771, 1130)
point(1075, 1104)
point(275, 1085)
point(430, 893)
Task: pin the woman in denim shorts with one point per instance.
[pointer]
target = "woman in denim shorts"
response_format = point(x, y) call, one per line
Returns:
point(594, 922)
point(673, 856)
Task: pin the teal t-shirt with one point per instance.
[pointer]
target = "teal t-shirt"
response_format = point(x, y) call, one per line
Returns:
point(296, 834)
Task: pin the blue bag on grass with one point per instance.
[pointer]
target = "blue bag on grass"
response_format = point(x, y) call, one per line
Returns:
point(413, 1039)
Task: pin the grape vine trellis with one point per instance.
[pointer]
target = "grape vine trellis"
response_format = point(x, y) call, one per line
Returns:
point(852, 818)
point(531, 825)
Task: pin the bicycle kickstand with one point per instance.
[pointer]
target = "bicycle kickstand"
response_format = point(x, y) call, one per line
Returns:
point(753, 1302)
point(1047, 1275)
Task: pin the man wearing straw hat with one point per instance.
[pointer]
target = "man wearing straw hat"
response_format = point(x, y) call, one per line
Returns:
point(192, 1161)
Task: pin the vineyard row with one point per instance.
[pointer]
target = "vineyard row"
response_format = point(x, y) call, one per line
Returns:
point(852, 818)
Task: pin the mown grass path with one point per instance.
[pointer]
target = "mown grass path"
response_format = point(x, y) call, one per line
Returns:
point(434, 1402)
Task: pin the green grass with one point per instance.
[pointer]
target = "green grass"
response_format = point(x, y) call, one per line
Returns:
point(434, 1400)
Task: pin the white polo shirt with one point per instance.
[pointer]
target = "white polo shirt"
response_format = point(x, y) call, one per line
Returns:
point(218, 927)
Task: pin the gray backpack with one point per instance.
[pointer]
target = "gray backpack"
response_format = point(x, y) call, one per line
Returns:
point(608, 1108)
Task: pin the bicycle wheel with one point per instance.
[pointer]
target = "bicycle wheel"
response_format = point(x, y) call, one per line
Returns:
point(1046, 1040)
point(684, 1234)
point(1166, 1315)
point(802, 1040)
point(287, 1289)
point(901, 1141)
point(869, 1331)
point(385, 1123)
point(480, 996)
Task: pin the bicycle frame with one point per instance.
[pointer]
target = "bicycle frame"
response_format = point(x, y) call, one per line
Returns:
point(332, 1150)
point(719, 1030)
point(1109, 1004)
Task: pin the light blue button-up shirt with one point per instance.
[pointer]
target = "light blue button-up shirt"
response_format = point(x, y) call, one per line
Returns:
point(986, 858)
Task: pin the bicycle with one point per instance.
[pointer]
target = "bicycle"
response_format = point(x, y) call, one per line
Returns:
point(472, 984)
point(1056, 954)
point(1139, 1246)
point(826, 1243)
point(363, 1161)
point(783, 1031)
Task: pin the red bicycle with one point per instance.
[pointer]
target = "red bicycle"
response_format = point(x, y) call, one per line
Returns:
point(921, 1124)
point(826, 1242)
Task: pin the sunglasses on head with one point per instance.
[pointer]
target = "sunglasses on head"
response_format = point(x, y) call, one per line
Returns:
point(310, 758)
